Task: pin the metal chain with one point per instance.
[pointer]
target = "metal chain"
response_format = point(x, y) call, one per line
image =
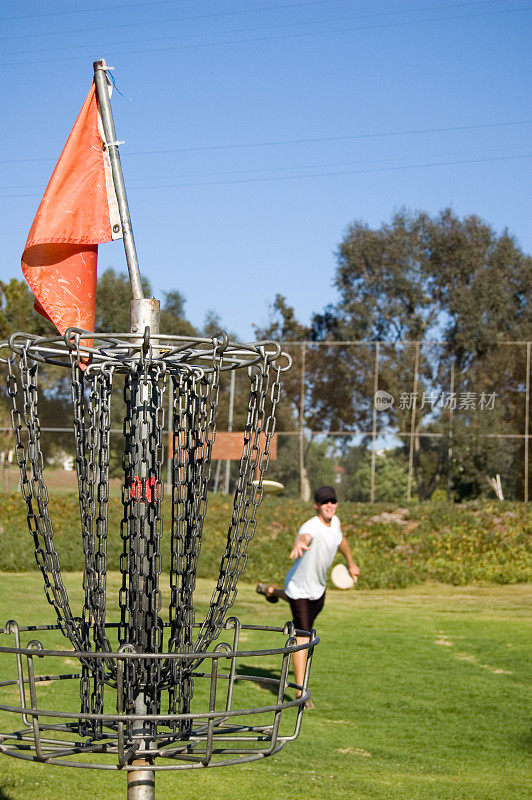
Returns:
point(34, 491)
point(248, 495)
point(92, 437)
point(194, 425)
point(141, 528)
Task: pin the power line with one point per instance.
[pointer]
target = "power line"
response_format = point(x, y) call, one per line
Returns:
point(278, 37)
point(289, 167)
point(347, 137)
point(180, 20)
point(282, 142)
point(311, 175)
point(337, 174)
point(292, 167)
point(108, 8)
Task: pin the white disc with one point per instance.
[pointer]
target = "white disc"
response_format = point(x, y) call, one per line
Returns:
point(341, 578)
point(270, 487)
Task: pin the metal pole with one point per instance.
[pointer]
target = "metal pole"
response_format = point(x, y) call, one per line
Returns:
point(412, 427)
point(217, 476)
point(374, 426)
point(100, 79)
point(144, 315)
point(527, 417)
point(302, 482)
point(140, 782)
point(230, 426)
point(451, 436)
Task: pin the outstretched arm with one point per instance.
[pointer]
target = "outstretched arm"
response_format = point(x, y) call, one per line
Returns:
point(343, 547)
point(301, 544)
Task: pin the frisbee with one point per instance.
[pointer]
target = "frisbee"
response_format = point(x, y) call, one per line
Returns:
point(270, 487)
point(341, 578)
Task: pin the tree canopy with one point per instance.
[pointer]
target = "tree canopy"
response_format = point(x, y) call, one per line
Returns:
point(413, 281)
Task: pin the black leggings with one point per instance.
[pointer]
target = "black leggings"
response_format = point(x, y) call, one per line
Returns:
point(305, 611)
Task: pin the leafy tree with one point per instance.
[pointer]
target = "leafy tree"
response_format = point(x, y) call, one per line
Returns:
point(17, 312)
point(391, 476)
point(422, 278)
point(412, 281)
point(113, 294)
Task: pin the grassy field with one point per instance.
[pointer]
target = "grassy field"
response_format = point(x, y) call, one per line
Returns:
point(421, 694)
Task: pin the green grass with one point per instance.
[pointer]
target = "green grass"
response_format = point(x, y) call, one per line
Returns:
point(445, 542)
point(421, 694)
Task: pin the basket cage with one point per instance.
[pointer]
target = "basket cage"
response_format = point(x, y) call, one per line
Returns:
point(137, 676)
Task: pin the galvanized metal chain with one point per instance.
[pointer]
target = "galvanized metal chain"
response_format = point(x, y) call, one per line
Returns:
point(141, 529)
point(34, 491)
point(260, 427)
point(92, 437)
point(194, 423)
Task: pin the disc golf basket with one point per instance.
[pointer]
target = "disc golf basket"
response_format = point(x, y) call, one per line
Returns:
point(157, 691)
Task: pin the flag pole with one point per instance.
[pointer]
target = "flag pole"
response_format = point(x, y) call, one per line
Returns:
point(144, 320)
point(100, 79)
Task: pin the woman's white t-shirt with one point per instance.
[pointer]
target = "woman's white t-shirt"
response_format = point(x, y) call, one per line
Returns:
point(308, 576)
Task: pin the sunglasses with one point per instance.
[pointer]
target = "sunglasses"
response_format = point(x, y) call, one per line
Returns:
point(325, 502)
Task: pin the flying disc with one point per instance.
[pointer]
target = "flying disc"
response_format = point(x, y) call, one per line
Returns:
point(270, 487)
point(341, 578)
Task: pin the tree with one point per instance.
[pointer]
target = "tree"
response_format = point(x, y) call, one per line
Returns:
point(390, 476)
point(412, 281)
point(17, 312)
point(113, 295)
point(421, 278)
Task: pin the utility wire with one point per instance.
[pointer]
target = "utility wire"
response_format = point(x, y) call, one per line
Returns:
point(278, 37)
point(337, 174)
point(311, 175)
point(180, 20)
point(279, 142)
point(294, 167)
point(347, 137)
point(291, 167)
point(109, 8)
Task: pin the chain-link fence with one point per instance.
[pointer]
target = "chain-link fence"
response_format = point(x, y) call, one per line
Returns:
point(382, 421)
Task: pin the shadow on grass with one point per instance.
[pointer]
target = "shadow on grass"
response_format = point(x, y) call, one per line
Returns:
point(242, 669)
point(5, 796)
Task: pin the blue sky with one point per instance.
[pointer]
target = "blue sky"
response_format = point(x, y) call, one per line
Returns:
point(259, 130)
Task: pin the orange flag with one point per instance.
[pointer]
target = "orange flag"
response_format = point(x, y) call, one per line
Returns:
point(78, 211)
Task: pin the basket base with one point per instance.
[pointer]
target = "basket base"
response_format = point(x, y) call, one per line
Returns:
point(221, 727)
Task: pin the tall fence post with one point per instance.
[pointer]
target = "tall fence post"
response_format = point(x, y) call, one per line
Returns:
point(302, 475)
point(451, 435)
point(412, 427)
point(527, 418)
point(374, 424)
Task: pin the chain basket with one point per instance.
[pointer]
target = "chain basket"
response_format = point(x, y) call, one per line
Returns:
point(149, 687)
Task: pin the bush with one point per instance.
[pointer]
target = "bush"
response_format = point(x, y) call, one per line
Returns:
point(457, 544)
